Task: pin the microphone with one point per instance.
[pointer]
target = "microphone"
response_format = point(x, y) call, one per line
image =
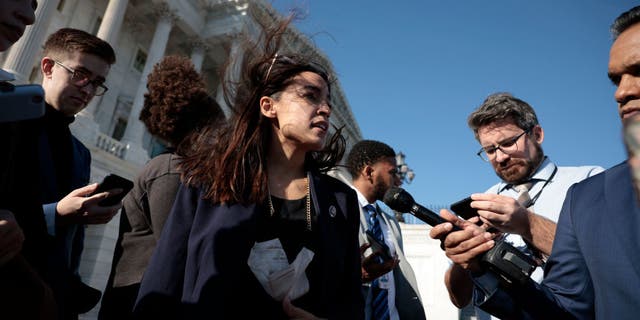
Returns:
point(503, 259)
point(400, 200)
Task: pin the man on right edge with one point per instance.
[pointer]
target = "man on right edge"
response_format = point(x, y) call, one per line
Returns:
point(526, 203)
point(593, 271)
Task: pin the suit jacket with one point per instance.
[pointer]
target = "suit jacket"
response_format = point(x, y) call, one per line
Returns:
point(20, 187)
point(594, 268)
point(199, 268)
point(63, 259)
point(407, 298)
point(68, 239)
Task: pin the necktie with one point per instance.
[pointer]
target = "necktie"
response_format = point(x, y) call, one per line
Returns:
point(525, 200)
point(523, 193)
point(379, 303)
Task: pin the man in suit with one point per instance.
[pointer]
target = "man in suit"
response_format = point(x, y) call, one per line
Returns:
point(388, 283)
point(592, 272)
point(74, 68)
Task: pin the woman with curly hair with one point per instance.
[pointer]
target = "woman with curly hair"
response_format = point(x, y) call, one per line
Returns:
point(175, 106)
point(262, 181)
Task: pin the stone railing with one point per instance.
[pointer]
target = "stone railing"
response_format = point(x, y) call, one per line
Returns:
point(111, 145)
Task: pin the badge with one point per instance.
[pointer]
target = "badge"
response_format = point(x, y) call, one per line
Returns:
point(332, 211)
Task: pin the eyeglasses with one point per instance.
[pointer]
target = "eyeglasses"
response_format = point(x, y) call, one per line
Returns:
point(508, 146)
point(81, 78)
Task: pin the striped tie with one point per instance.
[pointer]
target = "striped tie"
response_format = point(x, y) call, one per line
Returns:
point(380, 303)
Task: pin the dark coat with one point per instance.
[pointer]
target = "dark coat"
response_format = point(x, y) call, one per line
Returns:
point(594, 268)
point(66, 251)
point(199, 268)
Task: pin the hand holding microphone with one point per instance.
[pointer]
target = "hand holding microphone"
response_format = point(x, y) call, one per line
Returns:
point(465, 242)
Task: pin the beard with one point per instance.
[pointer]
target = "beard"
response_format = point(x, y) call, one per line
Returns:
point(516, 171)
point(379, 189)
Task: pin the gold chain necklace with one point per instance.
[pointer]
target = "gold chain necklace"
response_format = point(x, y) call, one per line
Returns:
point(272, 210)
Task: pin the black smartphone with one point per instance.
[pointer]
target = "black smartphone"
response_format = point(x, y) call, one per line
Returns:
point(377, 246)
point(463, 208)
point(113, 181)
point(20, 102)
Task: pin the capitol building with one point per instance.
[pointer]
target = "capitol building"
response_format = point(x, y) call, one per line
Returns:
point(209, 32)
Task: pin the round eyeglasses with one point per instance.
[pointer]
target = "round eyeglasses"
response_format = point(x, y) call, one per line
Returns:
point(508, 146)
point(81, 78)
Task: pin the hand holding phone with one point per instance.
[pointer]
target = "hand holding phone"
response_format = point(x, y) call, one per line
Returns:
point(378, 246)
point(110, 182)
point(463, 208)
point(380, 262)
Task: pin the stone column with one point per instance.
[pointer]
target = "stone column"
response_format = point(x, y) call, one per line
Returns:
point(112, 21)
point(135, 128)
point(198, 49)
point(109, 32)
point(21, 59)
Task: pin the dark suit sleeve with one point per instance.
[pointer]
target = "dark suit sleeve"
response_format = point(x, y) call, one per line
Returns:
point(566, 273)
point(161, 288)
point(566, 291)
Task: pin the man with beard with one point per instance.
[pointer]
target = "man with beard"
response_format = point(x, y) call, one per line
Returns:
point(524, 206)
point(388, 283)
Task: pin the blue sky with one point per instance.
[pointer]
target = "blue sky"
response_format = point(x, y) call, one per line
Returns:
point(412, 72)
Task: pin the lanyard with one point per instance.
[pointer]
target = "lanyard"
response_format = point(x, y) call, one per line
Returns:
point(535, 198)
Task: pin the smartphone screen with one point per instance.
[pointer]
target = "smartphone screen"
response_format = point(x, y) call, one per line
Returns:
point(110, 182)
point(463, 208)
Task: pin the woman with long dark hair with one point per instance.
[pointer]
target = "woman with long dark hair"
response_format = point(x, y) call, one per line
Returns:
point(262, 179)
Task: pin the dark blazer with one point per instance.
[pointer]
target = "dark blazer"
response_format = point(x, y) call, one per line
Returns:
point(63, 259)
point(594, 268)
point(20, 187)
point(69, 240)
point(199, 268)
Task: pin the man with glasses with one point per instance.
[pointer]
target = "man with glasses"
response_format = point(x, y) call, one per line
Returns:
point(524, 206)
point(74, 68)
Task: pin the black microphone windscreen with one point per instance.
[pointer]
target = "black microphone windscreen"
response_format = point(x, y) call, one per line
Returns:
point(398, 199)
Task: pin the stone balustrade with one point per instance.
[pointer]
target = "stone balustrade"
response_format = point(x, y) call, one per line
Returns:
point(111, 145)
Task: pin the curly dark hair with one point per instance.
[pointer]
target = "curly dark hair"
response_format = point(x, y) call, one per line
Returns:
point(233, 170)
point(367, 152)
point(177, 102)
